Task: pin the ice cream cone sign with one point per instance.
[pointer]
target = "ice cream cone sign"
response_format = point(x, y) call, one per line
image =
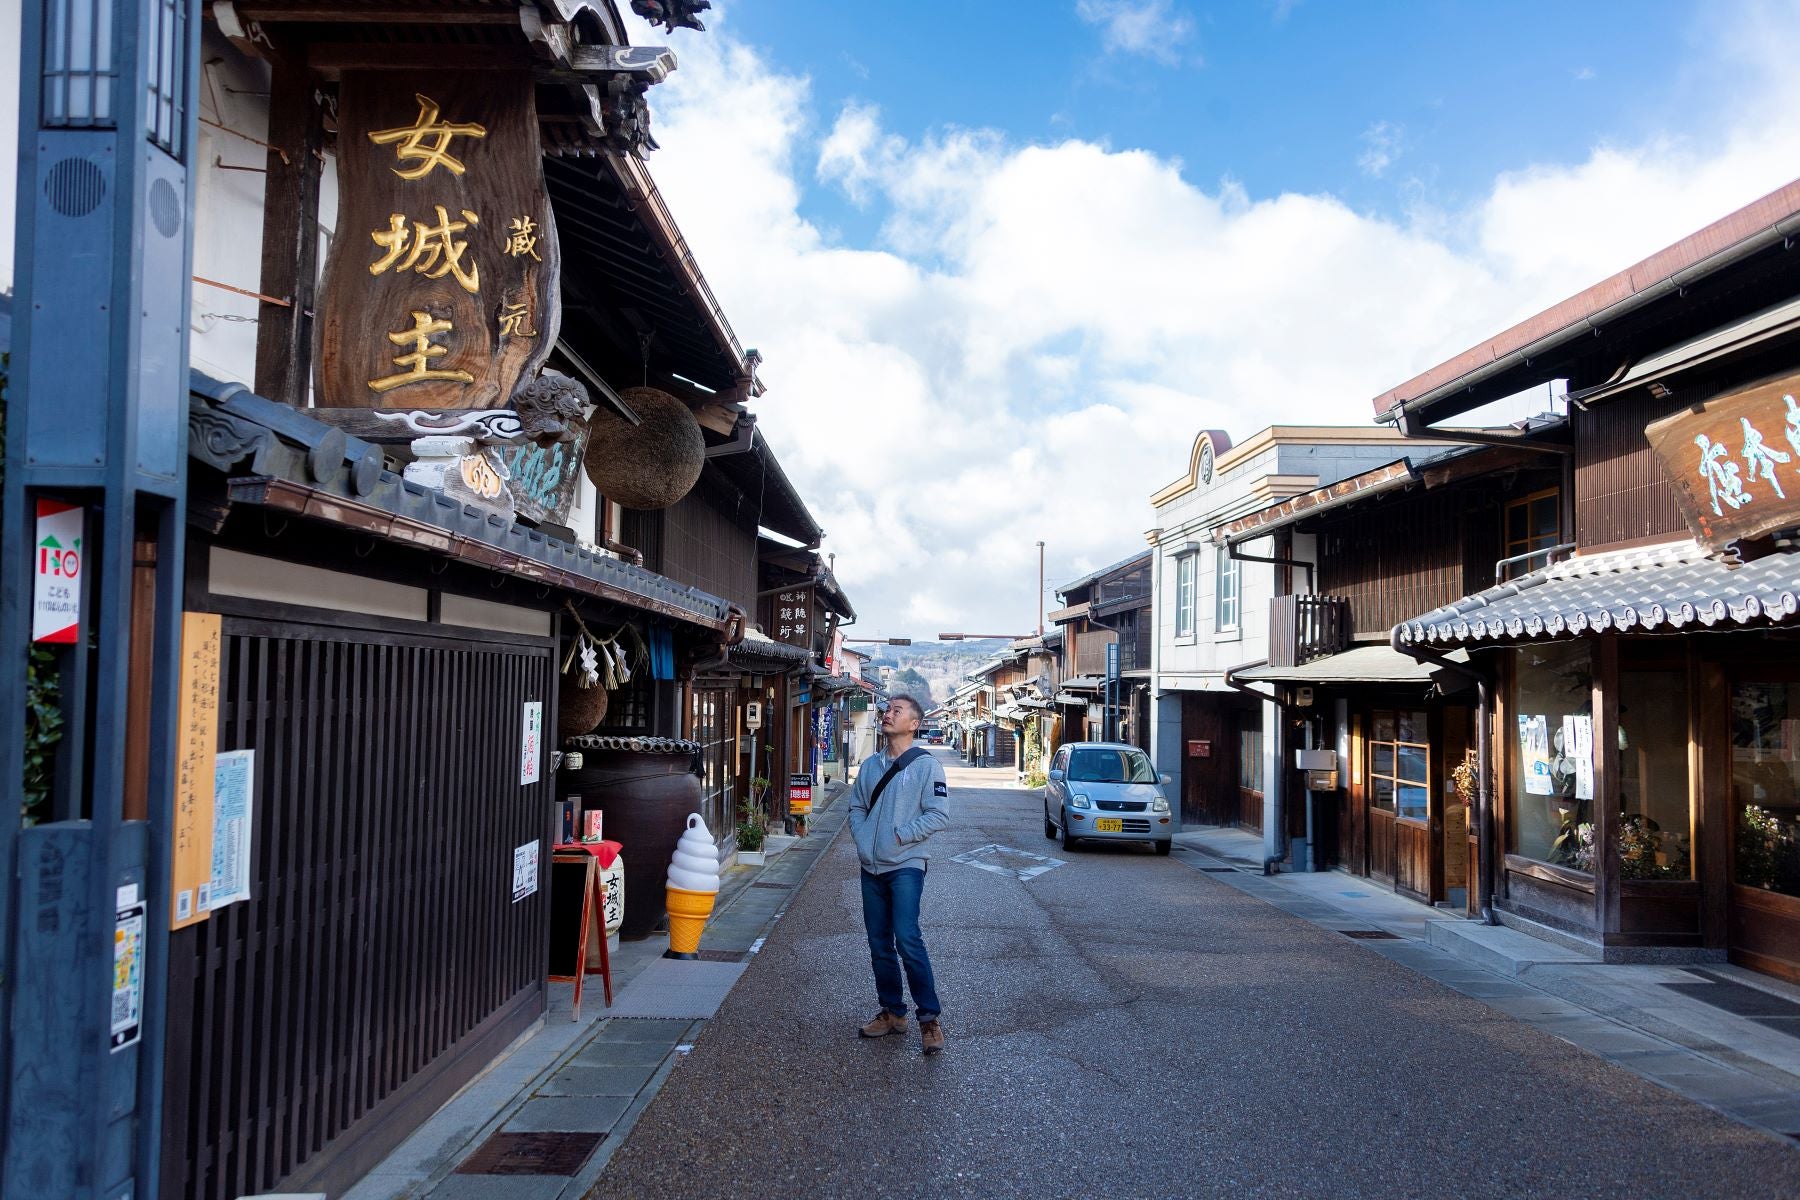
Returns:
point(693, 886)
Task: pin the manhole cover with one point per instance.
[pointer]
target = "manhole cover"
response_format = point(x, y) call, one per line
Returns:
point(783, 886)
point(531, 1154)
point(1370, 935)
point(1004, 860)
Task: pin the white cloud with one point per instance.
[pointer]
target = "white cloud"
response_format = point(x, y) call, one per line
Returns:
point(1152, 28)
point(1383, 144)
point(1030, 345)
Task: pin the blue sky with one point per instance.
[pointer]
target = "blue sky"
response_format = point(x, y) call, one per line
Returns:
point(1004, 261)
point(1277, 99)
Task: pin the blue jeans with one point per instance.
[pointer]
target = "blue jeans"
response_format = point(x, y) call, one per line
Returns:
point(891, 916)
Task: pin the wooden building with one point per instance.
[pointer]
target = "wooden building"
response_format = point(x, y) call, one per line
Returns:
point(1111, 606)
point(1371, 549)
point(1645, 747)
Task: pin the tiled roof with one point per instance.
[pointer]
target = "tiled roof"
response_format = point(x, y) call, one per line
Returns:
point(277, 457)
point(1655, 589)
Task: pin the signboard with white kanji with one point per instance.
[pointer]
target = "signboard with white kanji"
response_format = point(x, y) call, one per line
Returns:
point(1735, 462)
point(442, 288)
point(790, 616)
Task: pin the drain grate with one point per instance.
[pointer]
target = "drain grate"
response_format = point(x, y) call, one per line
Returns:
point(531, 1154)
point(1221, 870)
point(782, 886)
point(721, 956)
point(1370, 935)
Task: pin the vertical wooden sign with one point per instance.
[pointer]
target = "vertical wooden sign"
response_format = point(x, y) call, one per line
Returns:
point(191, 862)
point(442, 289)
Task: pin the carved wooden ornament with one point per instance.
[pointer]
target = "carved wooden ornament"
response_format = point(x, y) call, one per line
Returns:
point(442, 289)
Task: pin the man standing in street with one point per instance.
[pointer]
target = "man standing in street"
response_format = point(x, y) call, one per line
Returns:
point(899, 801)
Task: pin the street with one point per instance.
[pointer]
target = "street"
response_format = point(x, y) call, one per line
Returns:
point(1125, 1025)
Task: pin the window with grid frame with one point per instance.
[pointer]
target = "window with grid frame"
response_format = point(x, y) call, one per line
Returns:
point(1400, 764)
point(713, 716)
point(1225, 580)
point(1532, 523)
point(1186, 570)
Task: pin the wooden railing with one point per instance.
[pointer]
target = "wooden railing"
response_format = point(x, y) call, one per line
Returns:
point(1302, 628)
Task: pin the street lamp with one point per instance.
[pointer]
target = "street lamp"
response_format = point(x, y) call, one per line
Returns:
point(879, 641)
point(1040, 589)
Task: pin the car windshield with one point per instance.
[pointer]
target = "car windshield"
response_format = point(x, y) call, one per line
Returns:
point(1110, 766)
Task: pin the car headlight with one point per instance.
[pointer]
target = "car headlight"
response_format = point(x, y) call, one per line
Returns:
point(1160, 804)
point(1079, 801)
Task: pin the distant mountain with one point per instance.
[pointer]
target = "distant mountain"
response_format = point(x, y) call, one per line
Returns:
point(942, 665)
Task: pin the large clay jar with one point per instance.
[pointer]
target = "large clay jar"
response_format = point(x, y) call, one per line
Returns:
point(646, 787)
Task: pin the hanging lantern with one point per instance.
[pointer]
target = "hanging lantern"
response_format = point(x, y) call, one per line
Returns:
point(651, 464)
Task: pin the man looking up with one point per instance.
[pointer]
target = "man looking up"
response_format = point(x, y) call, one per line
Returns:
point(899, 801)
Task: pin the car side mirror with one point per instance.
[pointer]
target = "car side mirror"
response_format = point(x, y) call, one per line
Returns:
point(1167, 778)
point(1056, 776)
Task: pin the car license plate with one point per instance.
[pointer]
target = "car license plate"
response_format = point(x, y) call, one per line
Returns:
point(1109, 825)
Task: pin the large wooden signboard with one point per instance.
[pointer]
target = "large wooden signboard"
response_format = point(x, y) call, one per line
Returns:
point(1735, 462)
point(442, 287)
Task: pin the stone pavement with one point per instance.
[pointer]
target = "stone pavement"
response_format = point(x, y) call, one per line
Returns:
point(594, 1076)
point(1721, 1035)
point(1127, 1025)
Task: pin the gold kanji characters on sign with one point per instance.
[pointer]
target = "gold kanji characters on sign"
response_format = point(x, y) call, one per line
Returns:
point(513, 320)
point(434, 249)
point(413, 141)
point(418, 363)
point(523, 238)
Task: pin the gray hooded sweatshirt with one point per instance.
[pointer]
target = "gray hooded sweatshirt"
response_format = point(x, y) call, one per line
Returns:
point(912, 808)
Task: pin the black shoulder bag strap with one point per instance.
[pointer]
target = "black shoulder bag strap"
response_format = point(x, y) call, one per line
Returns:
point(900, 764)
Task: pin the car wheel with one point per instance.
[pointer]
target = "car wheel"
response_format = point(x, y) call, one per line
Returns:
point(1162, 847)
point(1066, 842)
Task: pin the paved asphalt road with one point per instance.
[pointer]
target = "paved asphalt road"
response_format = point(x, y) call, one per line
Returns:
point(1125, 1025)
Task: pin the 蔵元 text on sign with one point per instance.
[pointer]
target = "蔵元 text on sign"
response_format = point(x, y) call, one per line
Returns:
point(56, 573)
point(1735, 462)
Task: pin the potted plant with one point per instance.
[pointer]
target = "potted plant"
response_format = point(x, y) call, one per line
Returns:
point(750, 827)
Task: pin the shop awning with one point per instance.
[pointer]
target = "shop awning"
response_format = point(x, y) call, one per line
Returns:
point(1654, 589)
point(1360, 664)
point(1083, 683)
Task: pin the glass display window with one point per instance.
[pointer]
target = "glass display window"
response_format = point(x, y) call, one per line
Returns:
point(1655, 826)
point(1551, 753)
point(1765, 786)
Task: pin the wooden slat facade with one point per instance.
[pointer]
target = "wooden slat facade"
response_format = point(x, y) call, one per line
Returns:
point(380, 961)
point(1621, 493)
point(1411, 555)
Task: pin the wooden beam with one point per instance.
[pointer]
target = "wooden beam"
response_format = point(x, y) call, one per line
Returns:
point(332, 58)
point(355, 14)
point(290, 243)
point(1605, 813)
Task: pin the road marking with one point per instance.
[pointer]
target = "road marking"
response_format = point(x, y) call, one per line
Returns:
point(1004, 860)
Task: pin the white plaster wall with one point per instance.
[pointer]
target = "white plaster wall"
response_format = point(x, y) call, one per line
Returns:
point(228, 211)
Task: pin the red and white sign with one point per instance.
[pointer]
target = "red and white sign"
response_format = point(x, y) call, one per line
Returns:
point(56, 573)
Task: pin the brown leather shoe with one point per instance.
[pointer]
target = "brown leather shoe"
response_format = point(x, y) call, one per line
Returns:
point(931, 1036)
point(884, 1023)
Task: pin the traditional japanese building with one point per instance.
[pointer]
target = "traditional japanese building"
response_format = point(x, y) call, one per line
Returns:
point(1111, 606)
point(1644, 763)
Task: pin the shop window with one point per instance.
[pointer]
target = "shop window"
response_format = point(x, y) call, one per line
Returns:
point(1399, 764)
point(1225, 581)
point(1250, 760)
point(1533, 524)
point(1653, 776)
point(1765, 785)
point(1551, 748)
point(1185, 568)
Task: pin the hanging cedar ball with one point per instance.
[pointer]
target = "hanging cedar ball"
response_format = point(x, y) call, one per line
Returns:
point(579, 710)
point(649, 465)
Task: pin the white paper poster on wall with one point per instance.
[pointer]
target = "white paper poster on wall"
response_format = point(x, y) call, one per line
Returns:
point(234, 803)
point(1534, 753)
point(533, 742)
point(525, 871)
point(1578, 747)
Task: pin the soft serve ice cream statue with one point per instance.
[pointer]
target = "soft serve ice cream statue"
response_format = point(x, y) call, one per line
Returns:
point(693, 886)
